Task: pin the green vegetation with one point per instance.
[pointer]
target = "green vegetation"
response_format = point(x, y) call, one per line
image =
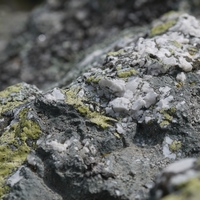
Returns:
point(175, 146)
point(187, 191)
point(14, 148)
point(162, 28)
point(126, 73)
point(192, 51)
point(93, 79)
point(115, 53)
point(10, 98)
point(164, 123)
point(94, 116)
point(167, 116)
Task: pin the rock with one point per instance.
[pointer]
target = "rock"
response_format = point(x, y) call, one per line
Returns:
point(18, 130)
point(23, 182)
point(179, 180)
point(108, 133)
point(57, 31)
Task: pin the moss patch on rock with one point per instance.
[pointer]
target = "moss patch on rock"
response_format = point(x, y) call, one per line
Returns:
point(15, 95)
point(115, 53)
point(164, 123)
point(175, 146)
point(14, 147)
point(189, 190)
point(162, 28)
point(93, 79)
point(167, 116)
point(126, 73)
point(8, 98)
point(94, 116)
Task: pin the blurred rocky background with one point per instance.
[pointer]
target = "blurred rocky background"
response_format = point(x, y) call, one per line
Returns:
point(13, 16)
point(39, 39)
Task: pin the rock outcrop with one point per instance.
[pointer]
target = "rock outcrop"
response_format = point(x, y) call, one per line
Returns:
point(59, 30)
point(113, 129)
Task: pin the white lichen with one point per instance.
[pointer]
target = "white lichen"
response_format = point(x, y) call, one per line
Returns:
point(181, 77)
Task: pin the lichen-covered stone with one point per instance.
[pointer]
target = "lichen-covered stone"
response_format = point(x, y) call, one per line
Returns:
point(13, 139)
point(108, 133)
point(95, 117)
point(149, 93)
point(15, 95)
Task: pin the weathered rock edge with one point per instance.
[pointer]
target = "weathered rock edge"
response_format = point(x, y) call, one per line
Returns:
point(109, 133)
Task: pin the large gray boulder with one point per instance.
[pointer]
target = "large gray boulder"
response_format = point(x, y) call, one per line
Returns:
point(107, 134)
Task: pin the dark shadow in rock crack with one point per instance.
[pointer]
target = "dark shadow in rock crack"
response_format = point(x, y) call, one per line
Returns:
point(149, 135)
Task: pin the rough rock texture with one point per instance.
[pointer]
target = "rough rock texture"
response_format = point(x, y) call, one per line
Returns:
point(179, 181)
point(109, 133)
point(58, 30)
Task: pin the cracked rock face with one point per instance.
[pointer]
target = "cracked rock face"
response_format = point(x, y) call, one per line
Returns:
point(107, 134)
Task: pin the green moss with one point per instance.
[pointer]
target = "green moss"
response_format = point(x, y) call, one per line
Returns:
point(164, 123)
point(192, 51)
point(167, 116)
point(29, 127)
point(14, 148)
point(176, 44)
point(162, 28)
point(8, 99)
point(100, 120)
point(95, 117)
point(4, 190)
point(117, 135)
point(10, 91)
point(93, 79)
point(179, 84)
point(172, 110)
point(175, 146)
point(115, 53)
point(126, 73)
point(186, 191)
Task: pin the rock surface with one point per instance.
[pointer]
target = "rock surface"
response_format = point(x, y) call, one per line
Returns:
point(59, 30)
point(179, 180)
point(109, 133)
